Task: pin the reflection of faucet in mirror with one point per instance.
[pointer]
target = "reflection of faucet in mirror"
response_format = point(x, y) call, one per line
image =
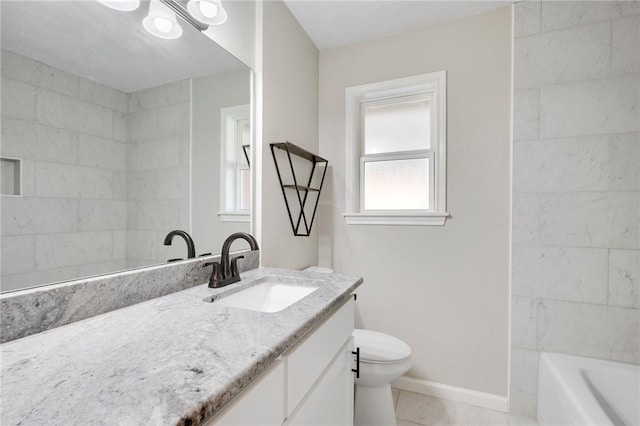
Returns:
point(191, 248)
point(226, 272)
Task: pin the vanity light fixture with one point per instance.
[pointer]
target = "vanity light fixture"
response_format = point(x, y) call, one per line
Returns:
point(208, 11)
point(121, 5)
point(161, 21)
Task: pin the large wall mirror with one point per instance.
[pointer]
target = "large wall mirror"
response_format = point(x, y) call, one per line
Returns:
point(111, 138)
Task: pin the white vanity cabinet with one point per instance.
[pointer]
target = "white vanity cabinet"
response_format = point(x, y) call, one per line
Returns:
point(311, 384)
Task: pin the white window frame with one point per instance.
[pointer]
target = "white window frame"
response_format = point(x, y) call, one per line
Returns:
point(433, 85)
point(230, 167)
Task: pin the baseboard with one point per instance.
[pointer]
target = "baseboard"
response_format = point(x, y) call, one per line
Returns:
point(466, 396)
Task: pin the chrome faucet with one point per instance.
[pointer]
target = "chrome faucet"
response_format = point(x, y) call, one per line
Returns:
point(191, 248)
point(226, 272)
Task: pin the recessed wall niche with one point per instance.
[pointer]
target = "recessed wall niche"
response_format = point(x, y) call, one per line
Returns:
point(10, 176)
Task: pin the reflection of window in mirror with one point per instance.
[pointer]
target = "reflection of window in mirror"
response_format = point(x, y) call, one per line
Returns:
point(236, 175)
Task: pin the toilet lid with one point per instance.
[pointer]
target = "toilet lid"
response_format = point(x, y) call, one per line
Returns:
point(379, 347)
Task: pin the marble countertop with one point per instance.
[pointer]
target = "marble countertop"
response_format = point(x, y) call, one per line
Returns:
point(171, 360)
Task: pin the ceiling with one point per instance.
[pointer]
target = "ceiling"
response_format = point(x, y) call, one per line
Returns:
point(88, 39)
point(332, 23)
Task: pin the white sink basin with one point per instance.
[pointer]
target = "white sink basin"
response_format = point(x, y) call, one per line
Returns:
point(269, 296)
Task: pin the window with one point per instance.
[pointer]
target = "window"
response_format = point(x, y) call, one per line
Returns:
point(396, 152)
point(235, 173)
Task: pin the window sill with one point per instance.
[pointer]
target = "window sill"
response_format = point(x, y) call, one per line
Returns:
point(411, 219)
point(235, 216)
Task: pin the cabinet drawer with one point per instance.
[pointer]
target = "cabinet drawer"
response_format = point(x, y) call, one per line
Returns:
point(307, 361)
point(261, 403)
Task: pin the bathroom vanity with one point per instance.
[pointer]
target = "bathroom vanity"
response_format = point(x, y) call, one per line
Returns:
point(178, 359)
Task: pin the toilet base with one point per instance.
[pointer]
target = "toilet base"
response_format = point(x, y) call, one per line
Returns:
point(374, 406)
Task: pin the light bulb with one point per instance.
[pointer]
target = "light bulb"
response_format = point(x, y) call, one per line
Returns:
point(163, 24)
point(208, 9)
point(161, 21)
point(121, 5)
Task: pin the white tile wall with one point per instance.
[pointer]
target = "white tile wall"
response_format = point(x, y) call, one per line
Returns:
point(626, 45)
point(578, 53)
point(590, 219)
point(157, 173)
point(556, 15)
point(589, 330)
point(590, 107)
point(625, 162)
point(73, 249)
point(624, 278)
point(103, 170)
point(572, 164)
point(18, 254)
point(575, 186)
point(525, 218)
point(562, 273)
point(526, 105)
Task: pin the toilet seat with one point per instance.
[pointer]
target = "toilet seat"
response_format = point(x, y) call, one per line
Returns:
point(380, 348)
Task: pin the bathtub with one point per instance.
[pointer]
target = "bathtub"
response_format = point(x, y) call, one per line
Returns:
point(585, 391)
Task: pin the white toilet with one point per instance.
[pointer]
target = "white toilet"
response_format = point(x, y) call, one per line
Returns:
point(383, 358)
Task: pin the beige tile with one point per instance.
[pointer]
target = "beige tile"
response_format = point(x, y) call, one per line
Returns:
point(422, 409)
point(517, 420)
point(467, 415)
point(406, 423)
point(395, 393)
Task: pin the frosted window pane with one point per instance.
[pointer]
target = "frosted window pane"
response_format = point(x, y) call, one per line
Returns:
point(403, 126)
point(245, 187)
point(396, 184)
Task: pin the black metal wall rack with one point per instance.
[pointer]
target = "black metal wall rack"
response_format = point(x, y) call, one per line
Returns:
point(301, 226)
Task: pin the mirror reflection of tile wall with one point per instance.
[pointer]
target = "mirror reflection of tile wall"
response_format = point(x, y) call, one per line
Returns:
point(104, 176)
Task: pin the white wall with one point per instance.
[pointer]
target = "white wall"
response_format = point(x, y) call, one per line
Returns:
point(289, 112)
point(209, 95)
point(443, 290)
point(576, 286)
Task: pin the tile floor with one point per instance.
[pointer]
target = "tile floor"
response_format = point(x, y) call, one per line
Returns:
point(413, 409)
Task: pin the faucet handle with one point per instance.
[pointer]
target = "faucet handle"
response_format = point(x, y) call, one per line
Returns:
point(216, 274)
point(235, 271)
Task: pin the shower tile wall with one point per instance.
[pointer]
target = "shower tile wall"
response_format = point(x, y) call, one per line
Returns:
point(158, 156)
point(575, 285)
point(105, 174)
point(71, 216)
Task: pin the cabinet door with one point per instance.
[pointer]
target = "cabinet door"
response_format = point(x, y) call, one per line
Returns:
point(330, 401)
point(261, 403)
point(312, 356)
